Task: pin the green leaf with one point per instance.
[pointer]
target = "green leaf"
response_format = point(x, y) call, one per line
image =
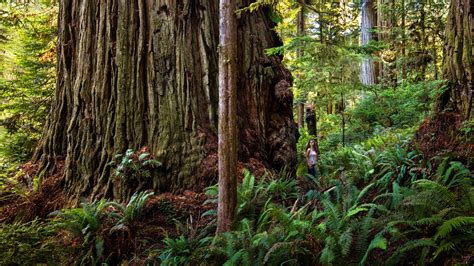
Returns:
point(453, 224)
point(378, 242)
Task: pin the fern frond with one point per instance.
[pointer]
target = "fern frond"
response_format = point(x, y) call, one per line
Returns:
point(378, 242)
point(410, 245)
point(274, 248)
point(327, 254)
point(453, 224)
point(428, 221)
point(345, 241)
point(442, 190)
point(363, 192)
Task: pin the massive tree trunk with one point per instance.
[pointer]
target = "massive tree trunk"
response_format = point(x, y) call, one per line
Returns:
point(367, 23)
point(144, 73)
point(458, 62)
point(454, 105)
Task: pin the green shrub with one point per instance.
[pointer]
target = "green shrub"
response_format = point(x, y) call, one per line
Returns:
point(31, 243)
point(100, 224)
point(134, 170)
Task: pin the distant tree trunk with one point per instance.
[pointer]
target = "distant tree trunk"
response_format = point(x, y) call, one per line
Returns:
point(321, 27)
point(435, 58)
point(385, 19)
point(300, 115)
point(382, 24)
point(343, 124)
point(311, 121)
point(403, 43)
point(300, 31)
point(458, 62)
point(388, 18)
point(145, 73)
point(454, 105)
point(423, 50)
point(227, 146)
point(368, 73)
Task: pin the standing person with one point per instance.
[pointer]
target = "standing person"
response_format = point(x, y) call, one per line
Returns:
point(311, 157)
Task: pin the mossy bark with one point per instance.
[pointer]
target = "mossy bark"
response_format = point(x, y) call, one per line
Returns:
point(458, 61)
point(443, 131)
point(144, 73)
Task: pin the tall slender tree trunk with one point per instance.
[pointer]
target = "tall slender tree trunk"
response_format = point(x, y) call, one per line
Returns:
point(423, 48)
point(403, 43)
point(368, 73)
point(311, 121)
point(435, 58)
point(144, 73)
point(343, 122)
point(382, 24)
point(300, 114)
point(300, 31)
point(227, 147)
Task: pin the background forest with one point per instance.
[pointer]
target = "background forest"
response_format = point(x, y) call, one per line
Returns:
point(367, 79)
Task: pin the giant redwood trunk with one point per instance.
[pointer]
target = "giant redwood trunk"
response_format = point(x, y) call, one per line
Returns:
point(458, 62)
point(145, 73)
point(454, 105)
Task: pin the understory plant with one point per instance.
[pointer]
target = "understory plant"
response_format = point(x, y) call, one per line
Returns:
point(31, 243)
point(102, 228)
point(134, 169)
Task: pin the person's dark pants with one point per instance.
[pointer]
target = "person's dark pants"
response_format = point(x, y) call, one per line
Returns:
point(312, 170)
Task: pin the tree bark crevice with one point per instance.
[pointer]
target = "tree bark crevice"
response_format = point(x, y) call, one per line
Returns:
point(144, 73)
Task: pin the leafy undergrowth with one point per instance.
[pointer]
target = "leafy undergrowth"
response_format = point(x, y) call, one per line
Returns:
point(102, 231)
point(21, 200)
point(374, 204)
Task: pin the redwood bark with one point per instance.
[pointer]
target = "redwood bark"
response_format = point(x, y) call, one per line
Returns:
point(144, 73)
point(458, 61)
point(442, 132)
point(227, 151)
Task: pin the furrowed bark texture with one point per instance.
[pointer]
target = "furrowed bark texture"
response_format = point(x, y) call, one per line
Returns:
point(144, 73)
point(443, 131)
point(459, 58)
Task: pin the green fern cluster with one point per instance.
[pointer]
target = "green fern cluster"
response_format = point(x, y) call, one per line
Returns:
point(433, 217)
point(347, 220)
point(265, 228)
point(32, 243)
point(85, 223)
point(94, 223)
